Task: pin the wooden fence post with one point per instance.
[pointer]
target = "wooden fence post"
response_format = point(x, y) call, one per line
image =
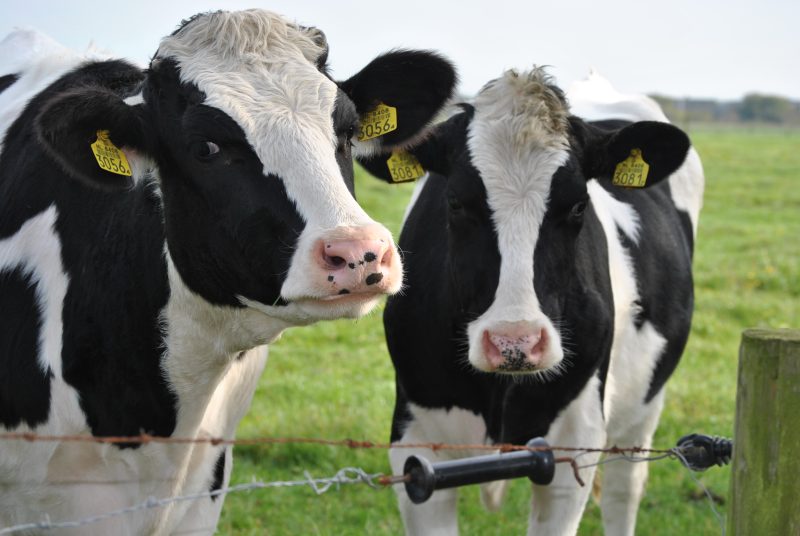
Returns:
point(765, 484)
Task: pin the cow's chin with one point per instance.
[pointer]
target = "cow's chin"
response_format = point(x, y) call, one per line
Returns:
point(340, 306)
point(307, 310)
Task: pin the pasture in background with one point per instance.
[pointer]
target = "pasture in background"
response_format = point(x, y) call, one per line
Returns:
point(335, 380)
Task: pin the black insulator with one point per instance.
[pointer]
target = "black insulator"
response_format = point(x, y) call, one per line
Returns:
point(424, 477)
point(700, 451)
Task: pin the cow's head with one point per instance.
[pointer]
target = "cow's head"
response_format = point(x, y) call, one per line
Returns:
point(248, 141)
point(518, 167)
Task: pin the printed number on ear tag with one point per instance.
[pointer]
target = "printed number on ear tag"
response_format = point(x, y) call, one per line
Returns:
point(108, 156)
point(631, 172)
point(377, 122)
point(404, 167)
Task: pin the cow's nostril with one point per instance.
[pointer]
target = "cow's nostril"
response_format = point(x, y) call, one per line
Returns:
point(374, 278)
point(334, 261)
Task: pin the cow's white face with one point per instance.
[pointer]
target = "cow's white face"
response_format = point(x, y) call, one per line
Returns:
point(517, 141)
point(266, 78)
point(250, 141)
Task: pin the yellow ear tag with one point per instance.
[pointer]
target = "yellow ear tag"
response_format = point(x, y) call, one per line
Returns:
point(404, 167)
point(631, 172)
point(377, 122)
point(108, 156)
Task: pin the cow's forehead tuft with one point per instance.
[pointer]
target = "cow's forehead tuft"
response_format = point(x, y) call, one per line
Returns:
point(529, 103)
point(252, 35)
point(262, 72)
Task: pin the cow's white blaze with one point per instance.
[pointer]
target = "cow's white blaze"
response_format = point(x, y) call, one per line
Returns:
point(517, 141)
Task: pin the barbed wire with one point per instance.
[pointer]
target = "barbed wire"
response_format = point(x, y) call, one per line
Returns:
point(350, 443)
point(348, 475)
point(345, 476)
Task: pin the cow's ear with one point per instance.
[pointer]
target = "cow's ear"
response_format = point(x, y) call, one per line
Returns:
point(435, 152)
point(396, 96)
point(95, 136)
point(637, 155)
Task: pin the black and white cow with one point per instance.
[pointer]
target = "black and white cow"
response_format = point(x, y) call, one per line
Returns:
point(143, 303)
point(540, 299)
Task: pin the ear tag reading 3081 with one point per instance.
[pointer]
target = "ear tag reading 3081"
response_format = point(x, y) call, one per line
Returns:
point(377, 122)
point(108, 156)
point(404, 167)
point(631, 172)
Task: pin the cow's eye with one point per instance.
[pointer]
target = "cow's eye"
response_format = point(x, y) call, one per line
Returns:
point(206, 150)
point(348, 136)
point(454, 203)
point(577, 210)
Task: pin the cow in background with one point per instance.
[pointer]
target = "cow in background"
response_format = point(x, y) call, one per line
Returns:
point(160, 227)
point(548, 289)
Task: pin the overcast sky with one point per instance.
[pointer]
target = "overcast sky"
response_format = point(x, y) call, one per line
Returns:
point(719, 49)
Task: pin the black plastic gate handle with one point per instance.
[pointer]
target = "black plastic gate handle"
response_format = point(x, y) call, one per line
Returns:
point(425, 477)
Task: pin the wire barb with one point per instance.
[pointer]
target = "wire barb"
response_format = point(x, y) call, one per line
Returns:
point(348, 475)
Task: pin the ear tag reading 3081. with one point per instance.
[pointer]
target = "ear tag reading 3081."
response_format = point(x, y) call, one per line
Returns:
point(631, 172)
point(377, 122)
point(108, 156)
point(404, 167)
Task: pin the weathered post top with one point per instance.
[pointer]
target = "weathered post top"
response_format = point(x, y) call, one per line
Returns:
point(765, 485)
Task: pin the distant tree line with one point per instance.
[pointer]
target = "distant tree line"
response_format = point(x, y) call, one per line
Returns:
point(753, 108)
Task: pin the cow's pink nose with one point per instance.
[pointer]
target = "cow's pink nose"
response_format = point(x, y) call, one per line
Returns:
point(359, 260)
point(351, 254)
point(515, 347)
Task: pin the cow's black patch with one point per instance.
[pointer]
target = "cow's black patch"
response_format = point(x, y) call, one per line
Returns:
point(24, 386)
point(227, 238)
point(112, 339)
point(345, 122)
point(374, 278)
point(369, 256)
point(663, 278)
point(219, 474)
point(7, 80)
point(112, 250)
point(352, 265)
point(330, 278)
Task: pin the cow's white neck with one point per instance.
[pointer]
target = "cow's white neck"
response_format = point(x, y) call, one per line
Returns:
point(201, 342)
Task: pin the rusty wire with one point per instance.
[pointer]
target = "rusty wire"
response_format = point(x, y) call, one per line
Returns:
point(350, 443)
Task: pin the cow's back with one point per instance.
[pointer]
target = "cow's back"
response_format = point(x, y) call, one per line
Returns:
point(29, 62)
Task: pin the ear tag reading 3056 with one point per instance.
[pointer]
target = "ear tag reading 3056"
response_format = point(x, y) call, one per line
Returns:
point(377, 122)
point(404, 167)
point(108, 156)
point(631, 172)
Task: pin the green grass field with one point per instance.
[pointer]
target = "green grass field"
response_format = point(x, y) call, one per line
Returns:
point(334, 380)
